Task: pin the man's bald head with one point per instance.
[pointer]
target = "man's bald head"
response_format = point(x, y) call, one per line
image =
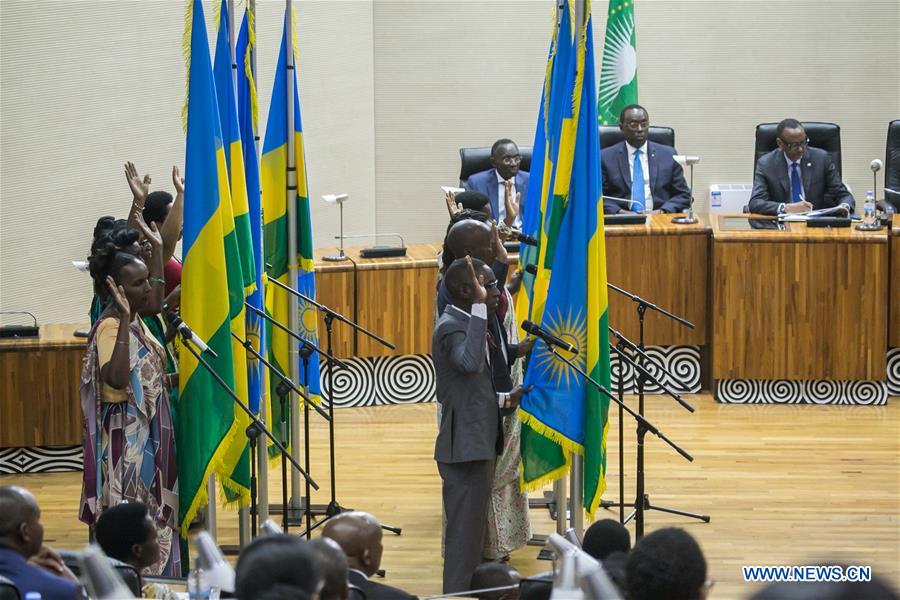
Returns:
point(359, 536)
point(473, 238)
point(20, 520)
point(494, 575)
point(334, 566)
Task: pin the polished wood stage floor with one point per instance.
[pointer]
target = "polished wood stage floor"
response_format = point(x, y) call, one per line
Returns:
point(784, 485)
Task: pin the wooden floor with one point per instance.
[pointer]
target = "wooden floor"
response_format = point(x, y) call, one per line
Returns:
point(784, 485)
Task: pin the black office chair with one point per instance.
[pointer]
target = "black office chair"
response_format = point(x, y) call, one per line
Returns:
point(476, 160)
point(826, 136)
point(892, 164)
point(611, 134)
point(128, 573)
point(8, 590)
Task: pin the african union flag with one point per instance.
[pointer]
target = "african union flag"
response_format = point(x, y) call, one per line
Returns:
point(564, 414)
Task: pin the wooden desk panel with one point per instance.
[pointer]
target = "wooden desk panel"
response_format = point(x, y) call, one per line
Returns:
point(666, 264)
point(800, 304)
point(894, 287)
point(39, 380)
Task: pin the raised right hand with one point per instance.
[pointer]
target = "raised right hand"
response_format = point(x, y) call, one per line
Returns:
point(139, 187)
point(453, 207)
point(118, 296)
point(479, 292)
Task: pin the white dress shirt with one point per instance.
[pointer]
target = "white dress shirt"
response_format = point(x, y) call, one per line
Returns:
point(501, 203)
point(645, 163)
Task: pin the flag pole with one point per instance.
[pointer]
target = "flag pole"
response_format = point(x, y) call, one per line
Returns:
point(262, 467)
point(576, 474)
point(294, 321)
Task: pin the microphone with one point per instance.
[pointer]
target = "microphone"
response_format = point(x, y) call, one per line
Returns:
point(522, 238)
point(548, 338)
point(876, 165)
point(176, 322)
point(619, 200)
point(531, 269)
point(685, 160)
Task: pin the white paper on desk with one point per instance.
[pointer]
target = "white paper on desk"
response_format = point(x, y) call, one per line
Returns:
point(455, 190)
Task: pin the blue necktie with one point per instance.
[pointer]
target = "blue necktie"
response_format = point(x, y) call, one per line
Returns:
point(796, 186)
point(637, 184)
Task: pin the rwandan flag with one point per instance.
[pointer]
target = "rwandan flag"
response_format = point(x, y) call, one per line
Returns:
point(246, 100)
point(569, 414)
point(238, 247)
point(273, 172)
point(546, 131)
point(210, 432)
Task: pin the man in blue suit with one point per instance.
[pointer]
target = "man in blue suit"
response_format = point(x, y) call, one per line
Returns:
point(24, 559)
point(660, 180)
point(504, 185)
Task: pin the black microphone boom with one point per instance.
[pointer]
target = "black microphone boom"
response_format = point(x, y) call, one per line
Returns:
point(176, 322)
point(549, 339)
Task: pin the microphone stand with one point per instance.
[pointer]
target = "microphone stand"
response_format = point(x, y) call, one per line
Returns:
point(255, 428)
point(284, 387)
point(688, 219)
point(333, 508)
point(642, 501)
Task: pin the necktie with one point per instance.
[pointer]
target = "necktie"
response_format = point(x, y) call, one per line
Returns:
point(637, 184)
point(796, 186)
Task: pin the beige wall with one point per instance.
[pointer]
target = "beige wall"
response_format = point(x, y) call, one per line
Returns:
point(390, 90)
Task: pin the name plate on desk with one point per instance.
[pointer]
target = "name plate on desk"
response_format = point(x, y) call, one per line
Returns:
point(750, 224)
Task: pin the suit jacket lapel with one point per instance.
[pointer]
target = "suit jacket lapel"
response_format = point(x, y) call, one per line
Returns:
point(653, 165)
point(806, 169)
point(784, 176)
point(624, 167)
point(492, 195)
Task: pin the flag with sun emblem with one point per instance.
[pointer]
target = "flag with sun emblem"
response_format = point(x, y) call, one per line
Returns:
point(280, 259)
point(618, 73)
point(564, 414)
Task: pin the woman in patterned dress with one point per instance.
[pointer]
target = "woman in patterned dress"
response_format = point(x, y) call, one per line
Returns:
point(129, 441)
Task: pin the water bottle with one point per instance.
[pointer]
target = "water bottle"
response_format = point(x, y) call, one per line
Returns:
point(869, 210)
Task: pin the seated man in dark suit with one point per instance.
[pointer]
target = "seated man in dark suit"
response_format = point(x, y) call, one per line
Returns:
point(660, 185)
point(796, 178)
point(359, 536)
point(504, 185)
point(24, 559)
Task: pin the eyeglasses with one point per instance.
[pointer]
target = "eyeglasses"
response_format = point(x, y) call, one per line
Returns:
point(794, 145)
point(637, 125)
point(490, 284)
point(511, 160)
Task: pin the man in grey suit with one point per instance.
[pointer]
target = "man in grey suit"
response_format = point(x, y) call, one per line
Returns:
point(469, 431)
point(796, 177)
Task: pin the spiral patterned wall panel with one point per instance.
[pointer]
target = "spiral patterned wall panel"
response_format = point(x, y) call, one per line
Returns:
point(40, 460)
point(683, 362)
point(354, 385)
point(893, 372)
point(404, 379)
point(779, 391)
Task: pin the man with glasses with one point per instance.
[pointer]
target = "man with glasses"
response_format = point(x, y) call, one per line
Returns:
point(795, 177)
point(504, 184)
point(657, 186)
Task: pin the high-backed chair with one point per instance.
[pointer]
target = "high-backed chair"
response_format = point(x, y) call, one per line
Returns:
point(128, 573)
point(826, 136)
point(611, 134)
point(475, 160)
point(8, 590)
point(892, 164)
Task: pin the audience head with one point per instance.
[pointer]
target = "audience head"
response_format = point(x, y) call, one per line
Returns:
point(634, 122)
point(604, 537)
point(359, 536)
point(475, 201)
point(334, 568)
point(459, 281)
point(126, 532)
point(20, 521)
point(157, 207)
point(493, 575)
point(472, 237)
point(116, 232)
point(791, 138)
point(614, 565)
point(667, 563)
point(505, 158)
point(273, 567)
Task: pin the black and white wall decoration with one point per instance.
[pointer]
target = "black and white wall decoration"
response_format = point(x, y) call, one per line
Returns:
point(382, 380)
point(893, 372)
point(58, 459)
point(682, 361)
point(821, 391)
